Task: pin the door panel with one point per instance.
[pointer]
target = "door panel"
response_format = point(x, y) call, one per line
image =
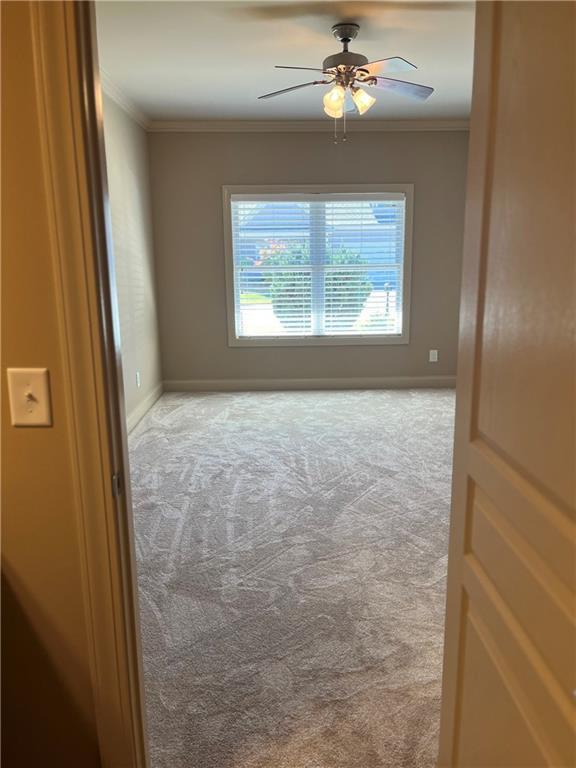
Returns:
point(490, 679)
point(510, 663)
point(525, 349)
point(540, 603)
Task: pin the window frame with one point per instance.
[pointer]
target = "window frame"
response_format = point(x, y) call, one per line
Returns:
point(310, 189)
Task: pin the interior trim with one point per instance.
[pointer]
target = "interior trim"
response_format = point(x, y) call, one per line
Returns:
point(246, 385)
point(122, 99)
point(110, 537)
point(301, 126)
point(71, 164)
point(137, 413)
point(355, 125)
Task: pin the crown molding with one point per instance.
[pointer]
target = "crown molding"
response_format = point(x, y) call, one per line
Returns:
point(300, 126)
point(355, 125)
point(117, 95)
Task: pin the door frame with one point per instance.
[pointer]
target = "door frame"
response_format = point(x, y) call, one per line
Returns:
point(132, 690)
point(69, 99)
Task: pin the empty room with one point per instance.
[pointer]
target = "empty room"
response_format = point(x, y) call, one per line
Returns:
point(288, 277)
point(288, 388)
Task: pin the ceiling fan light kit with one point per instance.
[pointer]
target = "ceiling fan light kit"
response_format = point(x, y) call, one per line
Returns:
point(347, 71)
point(334, 102)
point(362, 99)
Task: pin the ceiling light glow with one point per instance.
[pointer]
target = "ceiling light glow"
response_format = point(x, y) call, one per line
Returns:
point(362, 100)
point(334, 101)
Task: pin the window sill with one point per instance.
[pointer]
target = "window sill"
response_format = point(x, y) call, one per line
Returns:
point(318, 341)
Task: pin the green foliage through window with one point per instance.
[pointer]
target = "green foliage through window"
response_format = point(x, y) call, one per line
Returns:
point(345, 288)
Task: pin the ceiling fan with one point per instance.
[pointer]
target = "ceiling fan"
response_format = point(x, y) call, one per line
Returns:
point(346, 72)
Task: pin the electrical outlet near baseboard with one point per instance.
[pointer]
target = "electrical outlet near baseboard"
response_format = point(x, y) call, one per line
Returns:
point(433, 356)
point(138, 380)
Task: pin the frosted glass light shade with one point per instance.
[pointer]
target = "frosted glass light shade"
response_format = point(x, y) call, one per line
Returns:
point(334, 101)
point(362, 100)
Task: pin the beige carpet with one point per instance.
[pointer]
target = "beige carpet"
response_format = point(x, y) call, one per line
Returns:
point(292, 556)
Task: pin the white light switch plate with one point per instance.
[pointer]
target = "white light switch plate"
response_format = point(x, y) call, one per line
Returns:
point(433, 356)
point(29, 395)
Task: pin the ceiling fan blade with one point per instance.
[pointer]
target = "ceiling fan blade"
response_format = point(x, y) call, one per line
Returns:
point(391, 64)
point(412, 90)
point(308, 69)
point(293, 88)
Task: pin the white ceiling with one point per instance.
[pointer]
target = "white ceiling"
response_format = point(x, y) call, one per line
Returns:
point(211, 60)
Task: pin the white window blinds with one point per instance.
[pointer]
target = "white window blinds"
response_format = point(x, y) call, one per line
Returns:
point(324, 265)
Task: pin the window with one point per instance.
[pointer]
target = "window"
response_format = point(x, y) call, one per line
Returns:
point(318, 265)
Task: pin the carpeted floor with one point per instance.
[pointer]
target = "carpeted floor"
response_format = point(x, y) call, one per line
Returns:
point(292, 556)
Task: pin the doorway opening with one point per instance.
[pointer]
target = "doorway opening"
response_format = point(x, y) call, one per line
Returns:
point(291, 496)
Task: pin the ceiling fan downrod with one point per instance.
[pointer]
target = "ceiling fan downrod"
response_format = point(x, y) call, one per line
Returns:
point(345, 33)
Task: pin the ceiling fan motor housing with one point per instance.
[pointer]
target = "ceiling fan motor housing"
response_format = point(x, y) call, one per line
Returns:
point(345, 58)
point(345, 33)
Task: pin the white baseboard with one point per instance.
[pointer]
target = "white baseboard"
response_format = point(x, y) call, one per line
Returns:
point(246, 385)
point(136, 414)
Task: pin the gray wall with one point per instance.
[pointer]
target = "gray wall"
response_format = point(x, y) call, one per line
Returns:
point(129, 184)
point(188, 171)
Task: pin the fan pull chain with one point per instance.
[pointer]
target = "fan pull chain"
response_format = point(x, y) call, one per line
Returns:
point(344, 136)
